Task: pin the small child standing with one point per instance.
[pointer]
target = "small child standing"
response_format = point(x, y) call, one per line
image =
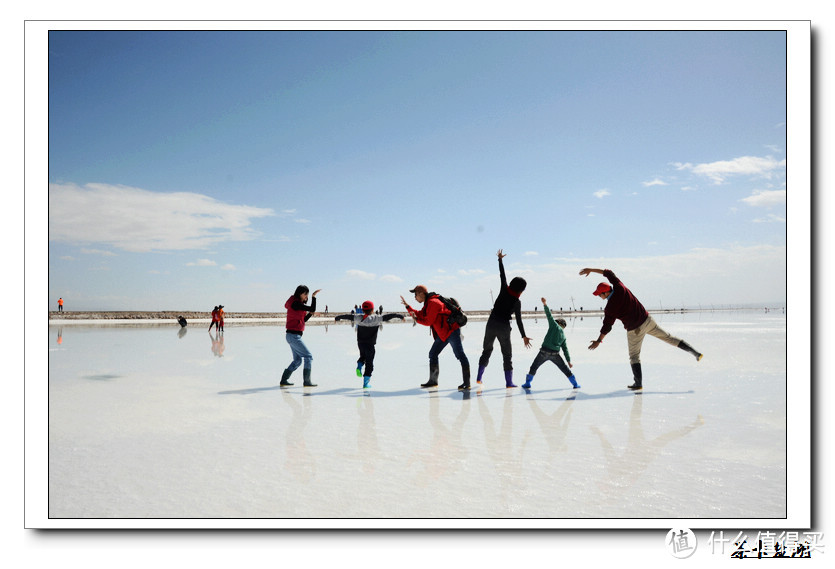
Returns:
point(550, 351)
point(297, 314)
point(367, 325)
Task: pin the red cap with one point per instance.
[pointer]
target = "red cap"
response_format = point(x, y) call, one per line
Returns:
point(601, 288)
point(368, 305)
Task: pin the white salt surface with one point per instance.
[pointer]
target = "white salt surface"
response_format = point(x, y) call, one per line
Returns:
point(151, 422)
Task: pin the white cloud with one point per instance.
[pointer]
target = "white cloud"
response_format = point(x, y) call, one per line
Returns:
point(770, 218)
point(602, 193)
point(356, 273)
point(530, 253)
point(655, 182)
point(137, 220)
point(718, 171)
point(98, 252)
point(228, 267)
point(391, 279)
point(766, 198)
point(302, 220)
point(201, 263)
point(470, 272)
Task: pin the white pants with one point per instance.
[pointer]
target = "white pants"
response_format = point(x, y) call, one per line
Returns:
point(635, 338)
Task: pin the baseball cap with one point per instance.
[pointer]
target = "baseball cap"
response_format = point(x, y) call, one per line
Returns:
point(601, 288)
point(420, 288)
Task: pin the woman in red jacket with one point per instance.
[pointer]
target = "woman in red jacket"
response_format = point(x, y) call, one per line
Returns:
point(297, 314)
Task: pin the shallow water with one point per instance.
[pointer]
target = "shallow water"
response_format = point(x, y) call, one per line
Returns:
point(150, 421)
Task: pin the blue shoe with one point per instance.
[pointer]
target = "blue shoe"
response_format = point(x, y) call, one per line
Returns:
point(359, 370)
point(528, 380)
point(365, 382)
point(573, 382)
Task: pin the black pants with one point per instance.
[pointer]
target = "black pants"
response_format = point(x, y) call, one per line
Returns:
point(546, 355)
point(367, 352)
point(497, 331)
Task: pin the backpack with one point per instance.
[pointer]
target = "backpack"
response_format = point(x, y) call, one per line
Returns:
point(456, 315)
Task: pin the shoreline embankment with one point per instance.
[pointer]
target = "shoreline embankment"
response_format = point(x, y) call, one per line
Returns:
point(166, 316)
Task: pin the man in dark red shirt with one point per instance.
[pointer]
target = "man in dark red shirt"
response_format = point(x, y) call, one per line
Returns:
point(622, 305)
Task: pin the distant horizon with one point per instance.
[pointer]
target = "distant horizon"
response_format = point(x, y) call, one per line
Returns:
point(400, 308)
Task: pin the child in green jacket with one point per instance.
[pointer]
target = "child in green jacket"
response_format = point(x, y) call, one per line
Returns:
point(550, 350)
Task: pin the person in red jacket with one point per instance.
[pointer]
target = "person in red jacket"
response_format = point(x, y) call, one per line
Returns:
point(622, 305)
point(435, 315)
point(297, 314)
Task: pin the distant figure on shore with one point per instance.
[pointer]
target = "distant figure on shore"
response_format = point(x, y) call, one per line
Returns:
point(498, 324)
point(435, 315)
point(182, 321)
point(60, 305)
point(367, 325)
point(550, 351)
point(215, 319)
point(220, 317)
point(622, 305)
point(297, 314)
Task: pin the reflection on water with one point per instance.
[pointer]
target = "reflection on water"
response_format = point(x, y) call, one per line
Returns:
point(146, 400)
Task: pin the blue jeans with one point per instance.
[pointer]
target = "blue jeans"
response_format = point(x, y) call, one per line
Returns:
point(454, 340)
point(546, 355)
point(300, 352)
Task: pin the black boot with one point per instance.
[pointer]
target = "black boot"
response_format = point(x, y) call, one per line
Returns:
point(306, 375)
point(284, 377)
point(465, 372)
point(434, 372)
point(636, 374)
point(688, 348)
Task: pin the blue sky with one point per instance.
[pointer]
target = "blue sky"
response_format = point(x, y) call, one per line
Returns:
point(188, 169)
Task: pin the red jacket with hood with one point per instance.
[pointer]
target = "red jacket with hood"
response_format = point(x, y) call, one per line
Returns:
point(298, 313)
point(434, 314)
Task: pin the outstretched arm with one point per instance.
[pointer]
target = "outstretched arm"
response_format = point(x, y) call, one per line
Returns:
point(586, 272)
point(501, 269)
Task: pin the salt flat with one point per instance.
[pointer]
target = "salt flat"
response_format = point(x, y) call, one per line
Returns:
point(151, 422)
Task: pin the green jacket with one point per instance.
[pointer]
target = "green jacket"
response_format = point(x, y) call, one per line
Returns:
point(555, 338)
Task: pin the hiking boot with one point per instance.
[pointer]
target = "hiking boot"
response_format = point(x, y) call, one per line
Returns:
point(465, 373)
point(508, 378)
point(434, 372)
point(284, 377)
point(637, 376)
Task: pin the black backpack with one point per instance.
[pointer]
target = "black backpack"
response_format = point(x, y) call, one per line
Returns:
point(457, 315)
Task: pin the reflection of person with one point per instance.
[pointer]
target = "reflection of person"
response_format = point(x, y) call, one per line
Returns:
point(367, 324)
point(622, 305)
point(498, 324)
point(297, 314)
point(60, 305)
point(550, 351)
point(435, 315)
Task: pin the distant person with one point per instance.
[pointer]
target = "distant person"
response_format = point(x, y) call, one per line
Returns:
point(182, 321)
point(550, 351)
point(60, 305)
point(498, 324)
point(435, 315)
point(215, 319)
point(297, 314)
point(220, 317)
point(367, 325)
point(622, 305)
